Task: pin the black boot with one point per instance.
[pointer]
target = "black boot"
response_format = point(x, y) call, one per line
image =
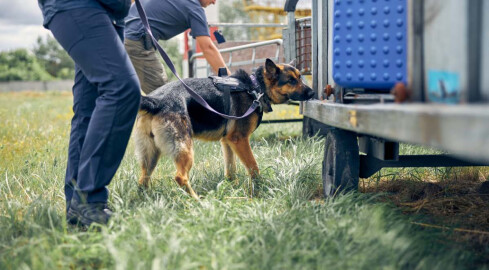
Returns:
point(70, 217)
point(88, 213)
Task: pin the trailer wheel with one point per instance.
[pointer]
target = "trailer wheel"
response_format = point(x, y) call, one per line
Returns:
point(341, 162)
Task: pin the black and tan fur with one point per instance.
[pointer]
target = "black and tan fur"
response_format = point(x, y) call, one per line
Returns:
point(169, 119)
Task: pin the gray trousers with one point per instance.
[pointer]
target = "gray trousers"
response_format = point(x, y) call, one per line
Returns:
point(148, 67)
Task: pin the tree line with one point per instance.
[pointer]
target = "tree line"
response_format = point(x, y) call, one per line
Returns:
point(46, 61)
point(49, 61)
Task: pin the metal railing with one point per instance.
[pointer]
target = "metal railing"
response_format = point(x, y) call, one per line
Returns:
point(303, 39)
point(248, 25)
point(253, 61)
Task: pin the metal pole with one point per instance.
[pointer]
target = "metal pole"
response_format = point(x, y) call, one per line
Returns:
point(314, 33)
point(418, 51)
point(474, 38)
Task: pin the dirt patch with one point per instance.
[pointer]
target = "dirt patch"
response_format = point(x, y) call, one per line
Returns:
point(459, 204)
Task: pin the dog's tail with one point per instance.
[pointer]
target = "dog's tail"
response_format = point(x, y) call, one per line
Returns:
point(150, 104)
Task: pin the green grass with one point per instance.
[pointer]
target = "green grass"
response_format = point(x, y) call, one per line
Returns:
point(284, 227)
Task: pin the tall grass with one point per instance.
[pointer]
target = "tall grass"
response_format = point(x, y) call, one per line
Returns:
point(284, 226)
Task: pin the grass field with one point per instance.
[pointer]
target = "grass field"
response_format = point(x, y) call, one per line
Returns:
point(287, 225)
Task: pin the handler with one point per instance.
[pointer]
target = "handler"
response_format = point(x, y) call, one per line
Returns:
point(167, 18)
point(106, 98)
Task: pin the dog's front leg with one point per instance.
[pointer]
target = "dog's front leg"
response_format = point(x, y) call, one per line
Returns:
point(241, 147)
point(229, 160)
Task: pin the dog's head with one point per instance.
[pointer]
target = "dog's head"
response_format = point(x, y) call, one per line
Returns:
point(284, 82)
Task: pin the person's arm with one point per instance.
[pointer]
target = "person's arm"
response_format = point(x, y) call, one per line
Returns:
point(211, 54)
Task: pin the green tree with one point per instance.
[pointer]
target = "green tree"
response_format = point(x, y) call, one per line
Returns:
point(21, 65)
point(54, 58)
point(233, 12)
point(171, 48)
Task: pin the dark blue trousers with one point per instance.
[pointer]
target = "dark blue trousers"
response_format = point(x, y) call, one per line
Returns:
point(106, 96)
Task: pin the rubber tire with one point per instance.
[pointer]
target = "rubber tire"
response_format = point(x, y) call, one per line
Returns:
point(341, 163)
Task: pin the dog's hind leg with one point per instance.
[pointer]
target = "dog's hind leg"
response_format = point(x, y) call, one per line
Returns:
point(229, 160)
point(183, 161)
point(173, 137)
point(146, 151)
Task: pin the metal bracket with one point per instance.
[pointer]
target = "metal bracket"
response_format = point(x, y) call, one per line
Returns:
point(369, 165)
point(379, 148)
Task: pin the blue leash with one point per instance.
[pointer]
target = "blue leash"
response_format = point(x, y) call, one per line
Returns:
point(193, 94)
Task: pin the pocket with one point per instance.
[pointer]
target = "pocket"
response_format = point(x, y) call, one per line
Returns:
point(93, 22)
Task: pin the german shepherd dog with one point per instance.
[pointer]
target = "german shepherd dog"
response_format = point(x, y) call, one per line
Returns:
point(169, 119)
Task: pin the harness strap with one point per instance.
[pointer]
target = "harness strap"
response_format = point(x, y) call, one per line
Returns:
point(227, 100)
point(254, 81)
point(193, 94)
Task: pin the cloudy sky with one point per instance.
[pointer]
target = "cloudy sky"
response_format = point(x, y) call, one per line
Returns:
point(20, 24)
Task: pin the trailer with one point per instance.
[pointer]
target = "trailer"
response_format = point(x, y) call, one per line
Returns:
point(386, 72)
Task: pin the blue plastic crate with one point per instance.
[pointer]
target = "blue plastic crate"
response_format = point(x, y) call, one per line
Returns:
point(369, 43)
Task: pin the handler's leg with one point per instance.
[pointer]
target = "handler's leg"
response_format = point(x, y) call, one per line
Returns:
point(84, 96)
point(92, 41)
point(150, 71)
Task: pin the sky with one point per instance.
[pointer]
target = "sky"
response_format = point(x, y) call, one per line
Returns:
point(20, 24)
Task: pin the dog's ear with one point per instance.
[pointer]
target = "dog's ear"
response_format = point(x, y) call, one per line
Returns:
point(293, 63)
point(271, 68)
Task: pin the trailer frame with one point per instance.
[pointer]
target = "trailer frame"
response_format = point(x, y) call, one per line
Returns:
point(363, 130)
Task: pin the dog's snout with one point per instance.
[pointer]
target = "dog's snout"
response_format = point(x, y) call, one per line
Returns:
point(309, 93)
point(304, 93)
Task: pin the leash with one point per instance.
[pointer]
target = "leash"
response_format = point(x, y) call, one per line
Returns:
point(193, 94)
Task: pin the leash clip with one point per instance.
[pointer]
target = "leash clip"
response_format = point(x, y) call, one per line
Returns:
point(257, 99)
point(258, 96)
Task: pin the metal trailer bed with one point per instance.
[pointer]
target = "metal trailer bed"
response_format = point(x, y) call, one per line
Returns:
point(445, 59)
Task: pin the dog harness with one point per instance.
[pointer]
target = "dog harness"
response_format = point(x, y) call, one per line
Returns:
point(230, 85)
